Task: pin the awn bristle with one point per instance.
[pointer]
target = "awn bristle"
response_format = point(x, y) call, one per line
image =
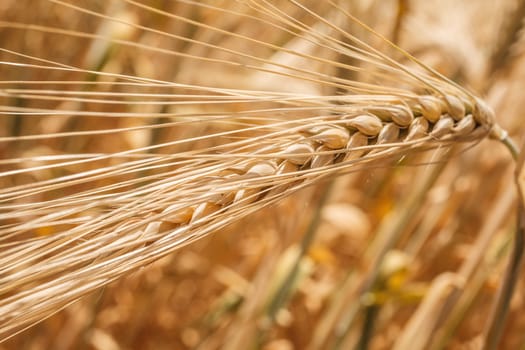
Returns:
point(73, 221)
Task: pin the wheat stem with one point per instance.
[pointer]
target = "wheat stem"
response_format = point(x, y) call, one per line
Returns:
point(283, 292)
point(500, 309)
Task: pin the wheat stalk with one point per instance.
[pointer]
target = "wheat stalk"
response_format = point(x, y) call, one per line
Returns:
point(100, 215)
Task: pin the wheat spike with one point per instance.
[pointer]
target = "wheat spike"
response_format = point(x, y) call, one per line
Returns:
point(75, 216)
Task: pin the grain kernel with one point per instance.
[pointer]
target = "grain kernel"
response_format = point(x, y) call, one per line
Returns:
point(367, 124)
point(431, 108)
point(455, 107)
point(247, 195)
point(389, 134)
point(418, 129)
point(204, 209)
point(482, 113)
point(356, 140)
point(320, 160)
point(465, 125)
point(299, 153)
point(333, 138)
point(443, 127)
point(178, 216)
point(402, 116)
point(262, 169)
point(287, 167)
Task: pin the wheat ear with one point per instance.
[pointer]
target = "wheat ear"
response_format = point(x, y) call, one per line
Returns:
point(137, 205)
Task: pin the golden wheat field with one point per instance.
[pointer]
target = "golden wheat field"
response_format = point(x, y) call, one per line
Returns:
point(255, 174)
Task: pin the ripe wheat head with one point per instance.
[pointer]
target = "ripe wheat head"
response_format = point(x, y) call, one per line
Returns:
point(220, 111)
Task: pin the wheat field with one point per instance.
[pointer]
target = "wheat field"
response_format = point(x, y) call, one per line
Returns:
point(252, 174)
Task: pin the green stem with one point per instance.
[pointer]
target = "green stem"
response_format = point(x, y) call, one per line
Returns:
point(501, 306)
point(284, 291)
point(371, 313)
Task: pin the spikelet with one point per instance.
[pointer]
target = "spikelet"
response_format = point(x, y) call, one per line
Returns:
point(107, 168)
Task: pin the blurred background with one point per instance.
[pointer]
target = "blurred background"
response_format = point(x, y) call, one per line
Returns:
point(404, 253)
